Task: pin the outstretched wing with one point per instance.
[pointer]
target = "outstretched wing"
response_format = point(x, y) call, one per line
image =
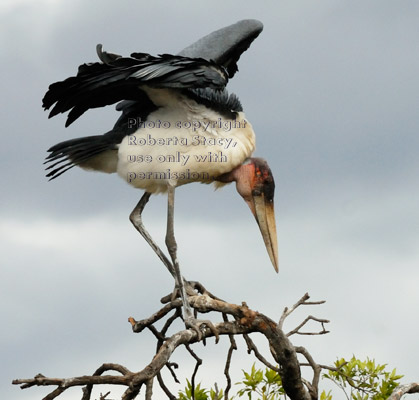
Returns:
point(226, 45)
point(121, 78)
point(118, 78)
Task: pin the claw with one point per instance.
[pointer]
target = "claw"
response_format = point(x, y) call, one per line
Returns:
point(189, 288)
point(196, 324)
point(190, 321)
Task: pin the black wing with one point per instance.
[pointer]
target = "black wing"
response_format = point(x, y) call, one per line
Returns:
point(118, 78)
point(121, 78)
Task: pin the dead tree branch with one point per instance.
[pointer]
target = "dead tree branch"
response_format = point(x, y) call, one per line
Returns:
point(302, 302)
point(244, 322)
point(401, 390)
point(314, 385)
point(310, 318)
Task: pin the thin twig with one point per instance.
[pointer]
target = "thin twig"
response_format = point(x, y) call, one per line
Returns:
point(104, 396)
point(252, 347)
point(138, 326)
point(310, 318)
point(170, 366)
point(227, 369)
point(303, 301)
point(195, 371)
point(157, 334)
point(164, 387)
point(170, 320)
point(233, 346)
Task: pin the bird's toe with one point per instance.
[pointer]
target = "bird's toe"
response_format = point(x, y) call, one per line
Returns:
point(199, 325)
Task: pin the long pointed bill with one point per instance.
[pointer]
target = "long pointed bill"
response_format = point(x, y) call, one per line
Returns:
point(265, 217)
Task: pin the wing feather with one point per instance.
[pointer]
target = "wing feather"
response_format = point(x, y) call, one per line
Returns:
point(121, 78)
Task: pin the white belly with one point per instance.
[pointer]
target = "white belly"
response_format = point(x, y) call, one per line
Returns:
point(176, 147)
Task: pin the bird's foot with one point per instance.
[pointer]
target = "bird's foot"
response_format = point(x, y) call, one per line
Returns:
point(189, 289)
point(198, 325)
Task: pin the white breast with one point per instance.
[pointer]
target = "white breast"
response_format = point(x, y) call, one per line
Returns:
point(181, 143)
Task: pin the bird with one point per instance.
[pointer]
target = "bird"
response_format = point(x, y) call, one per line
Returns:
point(178, 125)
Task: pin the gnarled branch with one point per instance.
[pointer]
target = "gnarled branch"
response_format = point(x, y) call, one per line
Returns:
point(245, 322)
point(401, 390)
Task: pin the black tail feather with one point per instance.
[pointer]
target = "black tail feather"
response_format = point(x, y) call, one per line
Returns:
point(65, 155)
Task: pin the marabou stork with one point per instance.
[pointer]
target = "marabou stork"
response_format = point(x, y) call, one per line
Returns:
point(178, 125)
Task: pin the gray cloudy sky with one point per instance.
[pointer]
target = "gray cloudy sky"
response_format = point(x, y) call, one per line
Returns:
point(331, 89)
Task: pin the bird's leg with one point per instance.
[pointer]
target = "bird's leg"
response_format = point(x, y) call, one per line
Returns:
point(171, 244)
point(136, 219)
point(172, 247)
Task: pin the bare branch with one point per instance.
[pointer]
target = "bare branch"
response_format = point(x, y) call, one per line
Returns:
point(138, 326)
point(233, 346)
point(217, 393)
point(170, 367)
point(149, 389)
point(177, 314)
point(322, 366)
point(54, 393)
point(303, 301)
point(313, 387)
point(252, 347)
point(131, 393)
point(164, 387)
point(227, 369)
point(198, 286)
point(401, 390)
point(195, 371)
point(104, 396)
point(77, 381)
point(310, 318)
point(87, 391)
point(245, 321)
